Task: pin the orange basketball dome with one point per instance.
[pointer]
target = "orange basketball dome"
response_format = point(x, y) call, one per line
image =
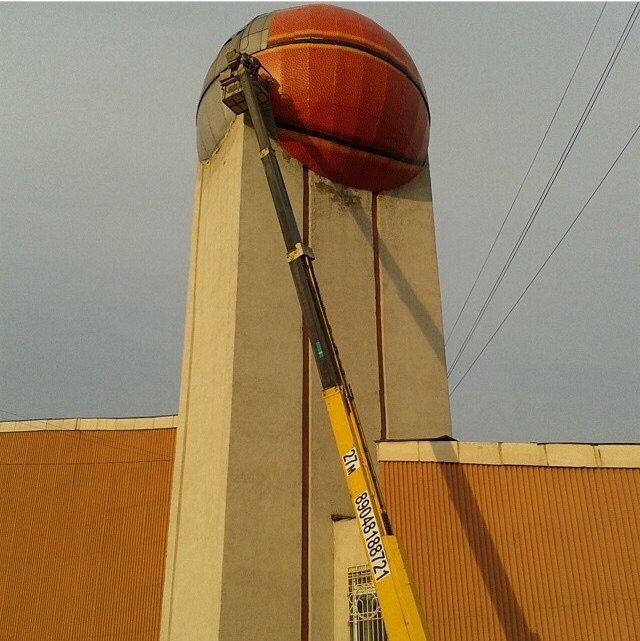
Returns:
point(348, 101)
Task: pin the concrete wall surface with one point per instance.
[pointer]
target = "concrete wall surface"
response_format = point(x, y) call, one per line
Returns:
point(415, 370)
point(235, 537)
point(256, 477)
point(377, 267)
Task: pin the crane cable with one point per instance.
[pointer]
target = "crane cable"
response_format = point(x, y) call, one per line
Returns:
point(535, 157)
point(547, 259)
point(576, 132)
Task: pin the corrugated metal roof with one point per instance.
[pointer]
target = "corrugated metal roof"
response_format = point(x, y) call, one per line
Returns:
point(521, 553)
point(83, 522)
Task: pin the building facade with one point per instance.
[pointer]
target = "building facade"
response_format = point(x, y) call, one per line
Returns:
point(230, 520)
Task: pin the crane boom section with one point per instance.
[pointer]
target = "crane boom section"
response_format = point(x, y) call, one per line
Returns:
point(399, 603)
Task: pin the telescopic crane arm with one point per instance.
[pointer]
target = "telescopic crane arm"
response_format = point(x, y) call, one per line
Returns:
point(244, 90)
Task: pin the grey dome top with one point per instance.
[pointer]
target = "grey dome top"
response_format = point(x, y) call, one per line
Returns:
point(213, 119)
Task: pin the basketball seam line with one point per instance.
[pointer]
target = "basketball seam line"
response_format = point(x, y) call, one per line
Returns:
point(338, 141)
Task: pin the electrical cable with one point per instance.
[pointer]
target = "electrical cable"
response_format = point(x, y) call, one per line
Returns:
point(574, 136)
point(535, 157)
point(547, 259)
point(585, 114)
point(550, 183)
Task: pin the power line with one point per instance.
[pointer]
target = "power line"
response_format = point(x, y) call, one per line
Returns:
point(576, 132)
point(535, 157)
point(567, 150)
point(553, 251)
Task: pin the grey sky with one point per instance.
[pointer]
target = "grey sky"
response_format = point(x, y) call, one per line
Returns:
point(98, 164)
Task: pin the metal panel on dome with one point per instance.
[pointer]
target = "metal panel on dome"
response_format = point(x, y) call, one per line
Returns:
point(213, 119)
point(256, 33)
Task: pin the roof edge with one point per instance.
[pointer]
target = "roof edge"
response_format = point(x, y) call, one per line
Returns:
point(532, 454)
point(62, 424)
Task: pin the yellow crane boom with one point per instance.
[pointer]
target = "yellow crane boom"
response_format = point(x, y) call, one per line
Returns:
point(244, 90)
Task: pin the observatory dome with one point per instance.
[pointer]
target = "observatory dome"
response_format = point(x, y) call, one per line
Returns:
point(348, 101)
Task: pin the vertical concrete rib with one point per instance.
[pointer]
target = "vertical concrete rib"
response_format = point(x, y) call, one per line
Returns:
point(379, 331)
point(416, 387)
point(239, 537)
point(304, 560)
point(178, 471)
point(340, 229)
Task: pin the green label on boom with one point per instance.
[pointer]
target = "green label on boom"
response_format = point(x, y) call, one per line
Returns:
point(319, 349)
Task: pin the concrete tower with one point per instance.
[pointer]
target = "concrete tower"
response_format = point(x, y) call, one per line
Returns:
point(256, 479)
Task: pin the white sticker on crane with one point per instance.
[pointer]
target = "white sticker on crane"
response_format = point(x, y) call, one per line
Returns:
point(372, 537)
point(351, 461)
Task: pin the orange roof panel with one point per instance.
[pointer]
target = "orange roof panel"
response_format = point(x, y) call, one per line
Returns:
point(521, 553)
point(83, 522)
